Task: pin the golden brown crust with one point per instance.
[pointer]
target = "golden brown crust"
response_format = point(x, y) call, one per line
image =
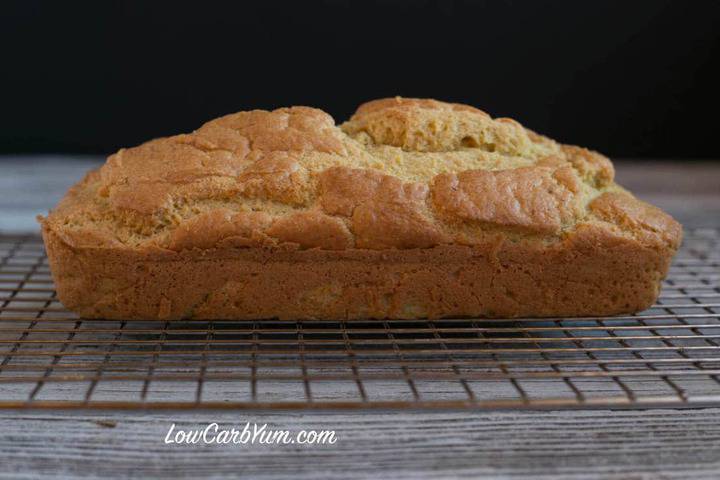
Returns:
point(645, 222)
point(312, 229)
point(207, 230)
point(404, 180)
point(532, 199)
point(374, 174)
point(384, 212)
point(432, 126)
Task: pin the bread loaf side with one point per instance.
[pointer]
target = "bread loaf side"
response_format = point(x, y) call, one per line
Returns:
point(412, 208)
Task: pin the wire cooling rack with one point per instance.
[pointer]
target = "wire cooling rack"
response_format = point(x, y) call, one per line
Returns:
point(668, 355)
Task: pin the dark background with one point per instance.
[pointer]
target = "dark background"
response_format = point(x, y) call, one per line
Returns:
point(629, 78)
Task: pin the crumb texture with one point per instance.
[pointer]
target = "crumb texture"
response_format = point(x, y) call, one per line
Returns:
point(401, 176)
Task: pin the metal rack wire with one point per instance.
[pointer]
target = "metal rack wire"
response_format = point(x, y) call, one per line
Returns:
point(668, 355)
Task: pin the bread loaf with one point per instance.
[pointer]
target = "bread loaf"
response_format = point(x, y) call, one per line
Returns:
point(411, 209)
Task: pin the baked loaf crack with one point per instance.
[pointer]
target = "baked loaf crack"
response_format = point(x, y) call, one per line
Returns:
point(411, 209)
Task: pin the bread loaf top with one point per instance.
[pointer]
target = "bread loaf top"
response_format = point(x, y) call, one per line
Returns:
point(400, 174)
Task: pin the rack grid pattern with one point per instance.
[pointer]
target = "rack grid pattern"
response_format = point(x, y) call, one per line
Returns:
point(668, 355)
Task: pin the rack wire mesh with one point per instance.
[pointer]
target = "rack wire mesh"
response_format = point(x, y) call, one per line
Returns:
point(668, 355)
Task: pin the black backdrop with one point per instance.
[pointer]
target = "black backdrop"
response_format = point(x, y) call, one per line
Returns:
point(629, 78)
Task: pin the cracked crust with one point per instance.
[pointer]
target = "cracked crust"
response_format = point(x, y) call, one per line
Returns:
point(412, 208)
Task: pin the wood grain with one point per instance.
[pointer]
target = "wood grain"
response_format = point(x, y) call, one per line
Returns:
point(558, 445)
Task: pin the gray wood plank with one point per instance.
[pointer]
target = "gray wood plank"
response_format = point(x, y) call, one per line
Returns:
point(31, 185)
point(560, 445)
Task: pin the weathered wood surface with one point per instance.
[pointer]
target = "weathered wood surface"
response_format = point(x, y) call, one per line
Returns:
point(557, 444)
